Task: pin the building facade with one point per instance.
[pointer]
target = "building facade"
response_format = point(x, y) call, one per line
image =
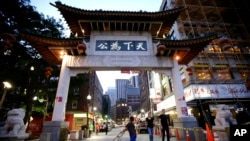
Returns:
point(218, 74)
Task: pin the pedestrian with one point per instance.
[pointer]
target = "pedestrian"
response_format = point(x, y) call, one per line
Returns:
point(97, 128)
point(150, 126)
point(164, 123)
point(130, 127)
point(106, 128)
point(91, 128)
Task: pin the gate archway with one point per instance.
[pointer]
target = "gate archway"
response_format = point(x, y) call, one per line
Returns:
point(108, 40)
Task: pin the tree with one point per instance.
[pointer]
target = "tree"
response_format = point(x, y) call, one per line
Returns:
point(17, 57)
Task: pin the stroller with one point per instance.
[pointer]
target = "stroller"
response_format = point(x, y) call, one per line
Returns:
point(119, 136)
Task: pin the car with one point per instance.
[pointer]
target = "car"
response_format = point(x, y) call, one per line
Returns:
point(142, 127)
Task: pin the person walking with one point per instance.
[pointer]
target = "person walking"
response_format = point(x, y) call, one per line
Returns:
point(106, 128)
point(130, 127)
point(97, 128)
point(150, 126)
point(164, 123)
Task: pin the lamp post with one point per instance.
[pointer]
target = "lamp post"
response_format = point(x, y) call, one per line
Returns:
point(7, 85)
point(88, 99)
point(106, 117)
point(142, 113)
point(94, 121)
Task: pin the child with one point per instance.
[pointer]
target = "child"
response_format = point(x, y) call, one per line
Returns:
point(131, 129)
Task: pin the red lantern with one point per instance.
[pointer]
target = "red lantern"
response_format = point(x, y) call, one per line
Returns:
point(48, 72)
point(225, 44)
point(161, 49)
point(188, 69)
point(6, 44)
point(8, 37)
point(81, 48)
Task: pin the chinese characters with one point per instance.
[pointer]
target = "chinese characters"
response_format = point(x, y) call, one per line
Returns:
point(106, 45)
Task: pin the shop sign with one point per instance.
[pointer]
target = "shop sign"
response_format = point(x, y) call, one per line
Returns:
point(215, 91)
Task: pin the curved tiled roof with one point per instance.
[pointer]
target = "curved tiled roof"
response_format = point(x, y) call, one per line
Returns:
point(52, 49)
point(83, 21)
point(186, 49)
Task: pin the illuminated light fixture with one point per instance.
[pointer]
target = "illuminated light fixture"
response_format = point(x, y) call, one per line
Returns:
point(83, 31)
point(7, 85)
point(62, 53)
point(81, 48)
point(164, 36)
point(89, 97)
point(76, 35)
point(161, 49)
point(157, 32)
point(177, 57)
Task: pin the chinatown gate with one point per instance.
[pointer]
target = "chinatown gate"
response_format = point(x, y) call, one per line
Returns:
point(109, 40)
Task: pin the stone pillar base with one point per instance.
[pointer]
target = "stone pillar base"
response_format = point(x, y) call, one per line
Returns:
point(58, 130)
point(185, 122)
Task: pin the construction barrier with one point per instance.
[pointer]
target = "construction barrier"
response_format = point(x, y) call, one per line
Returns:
point(157, 131)
point(188, 134)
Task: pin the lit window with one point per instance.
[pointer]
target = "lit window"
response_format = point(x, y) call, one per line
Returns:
point(203, 74)
point(244, 74)
point(236, 49)
point(74, 104)
point(224, 74)
point(217, 48)
point(210, 48)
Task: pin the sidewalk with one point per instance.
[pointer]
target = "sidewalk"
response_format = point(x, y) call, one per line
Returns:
point(111, 135)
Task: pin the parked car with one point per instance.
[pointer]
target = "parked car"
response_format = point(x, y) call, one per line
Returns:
point(142, 127)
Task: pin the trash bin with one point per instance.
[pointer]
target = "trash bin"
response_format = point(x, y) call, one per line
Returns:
point(199, 134)
point(73, 135)
point(85, 131)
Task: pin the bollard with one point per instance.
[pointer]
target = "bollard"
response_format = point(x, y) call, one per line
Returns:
point(45, 137)
point(216, 137)
point(188, 138)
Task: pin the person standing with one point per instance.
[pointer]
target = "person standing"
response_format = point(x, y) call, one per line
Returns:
point(91, 128)
point(97, 128)
point(106, 128)
point(164, 123)
point(130, 127)
point(150, 126)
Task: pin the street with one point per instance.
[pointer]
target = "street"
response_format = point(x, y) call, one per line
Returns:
point(115, 131)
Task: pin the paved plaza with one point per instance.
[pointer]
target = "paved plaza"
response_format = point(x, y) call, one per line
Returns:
point(114, 132)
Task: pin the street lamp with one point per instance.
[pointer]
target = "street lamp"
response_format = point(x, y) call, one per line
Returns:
point(88, 99)
point(94, 121)
point(106, 117)
point(7, 85)
point(142, 113)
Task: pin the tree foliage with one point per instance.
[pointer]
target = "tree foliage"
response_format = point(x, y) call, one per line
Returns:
point(17, 57)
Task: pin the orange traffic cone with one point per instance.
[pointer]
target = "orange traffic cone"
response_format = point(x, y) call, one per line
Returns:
point(177, 136)
point(188, 138)
point(209, 134)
